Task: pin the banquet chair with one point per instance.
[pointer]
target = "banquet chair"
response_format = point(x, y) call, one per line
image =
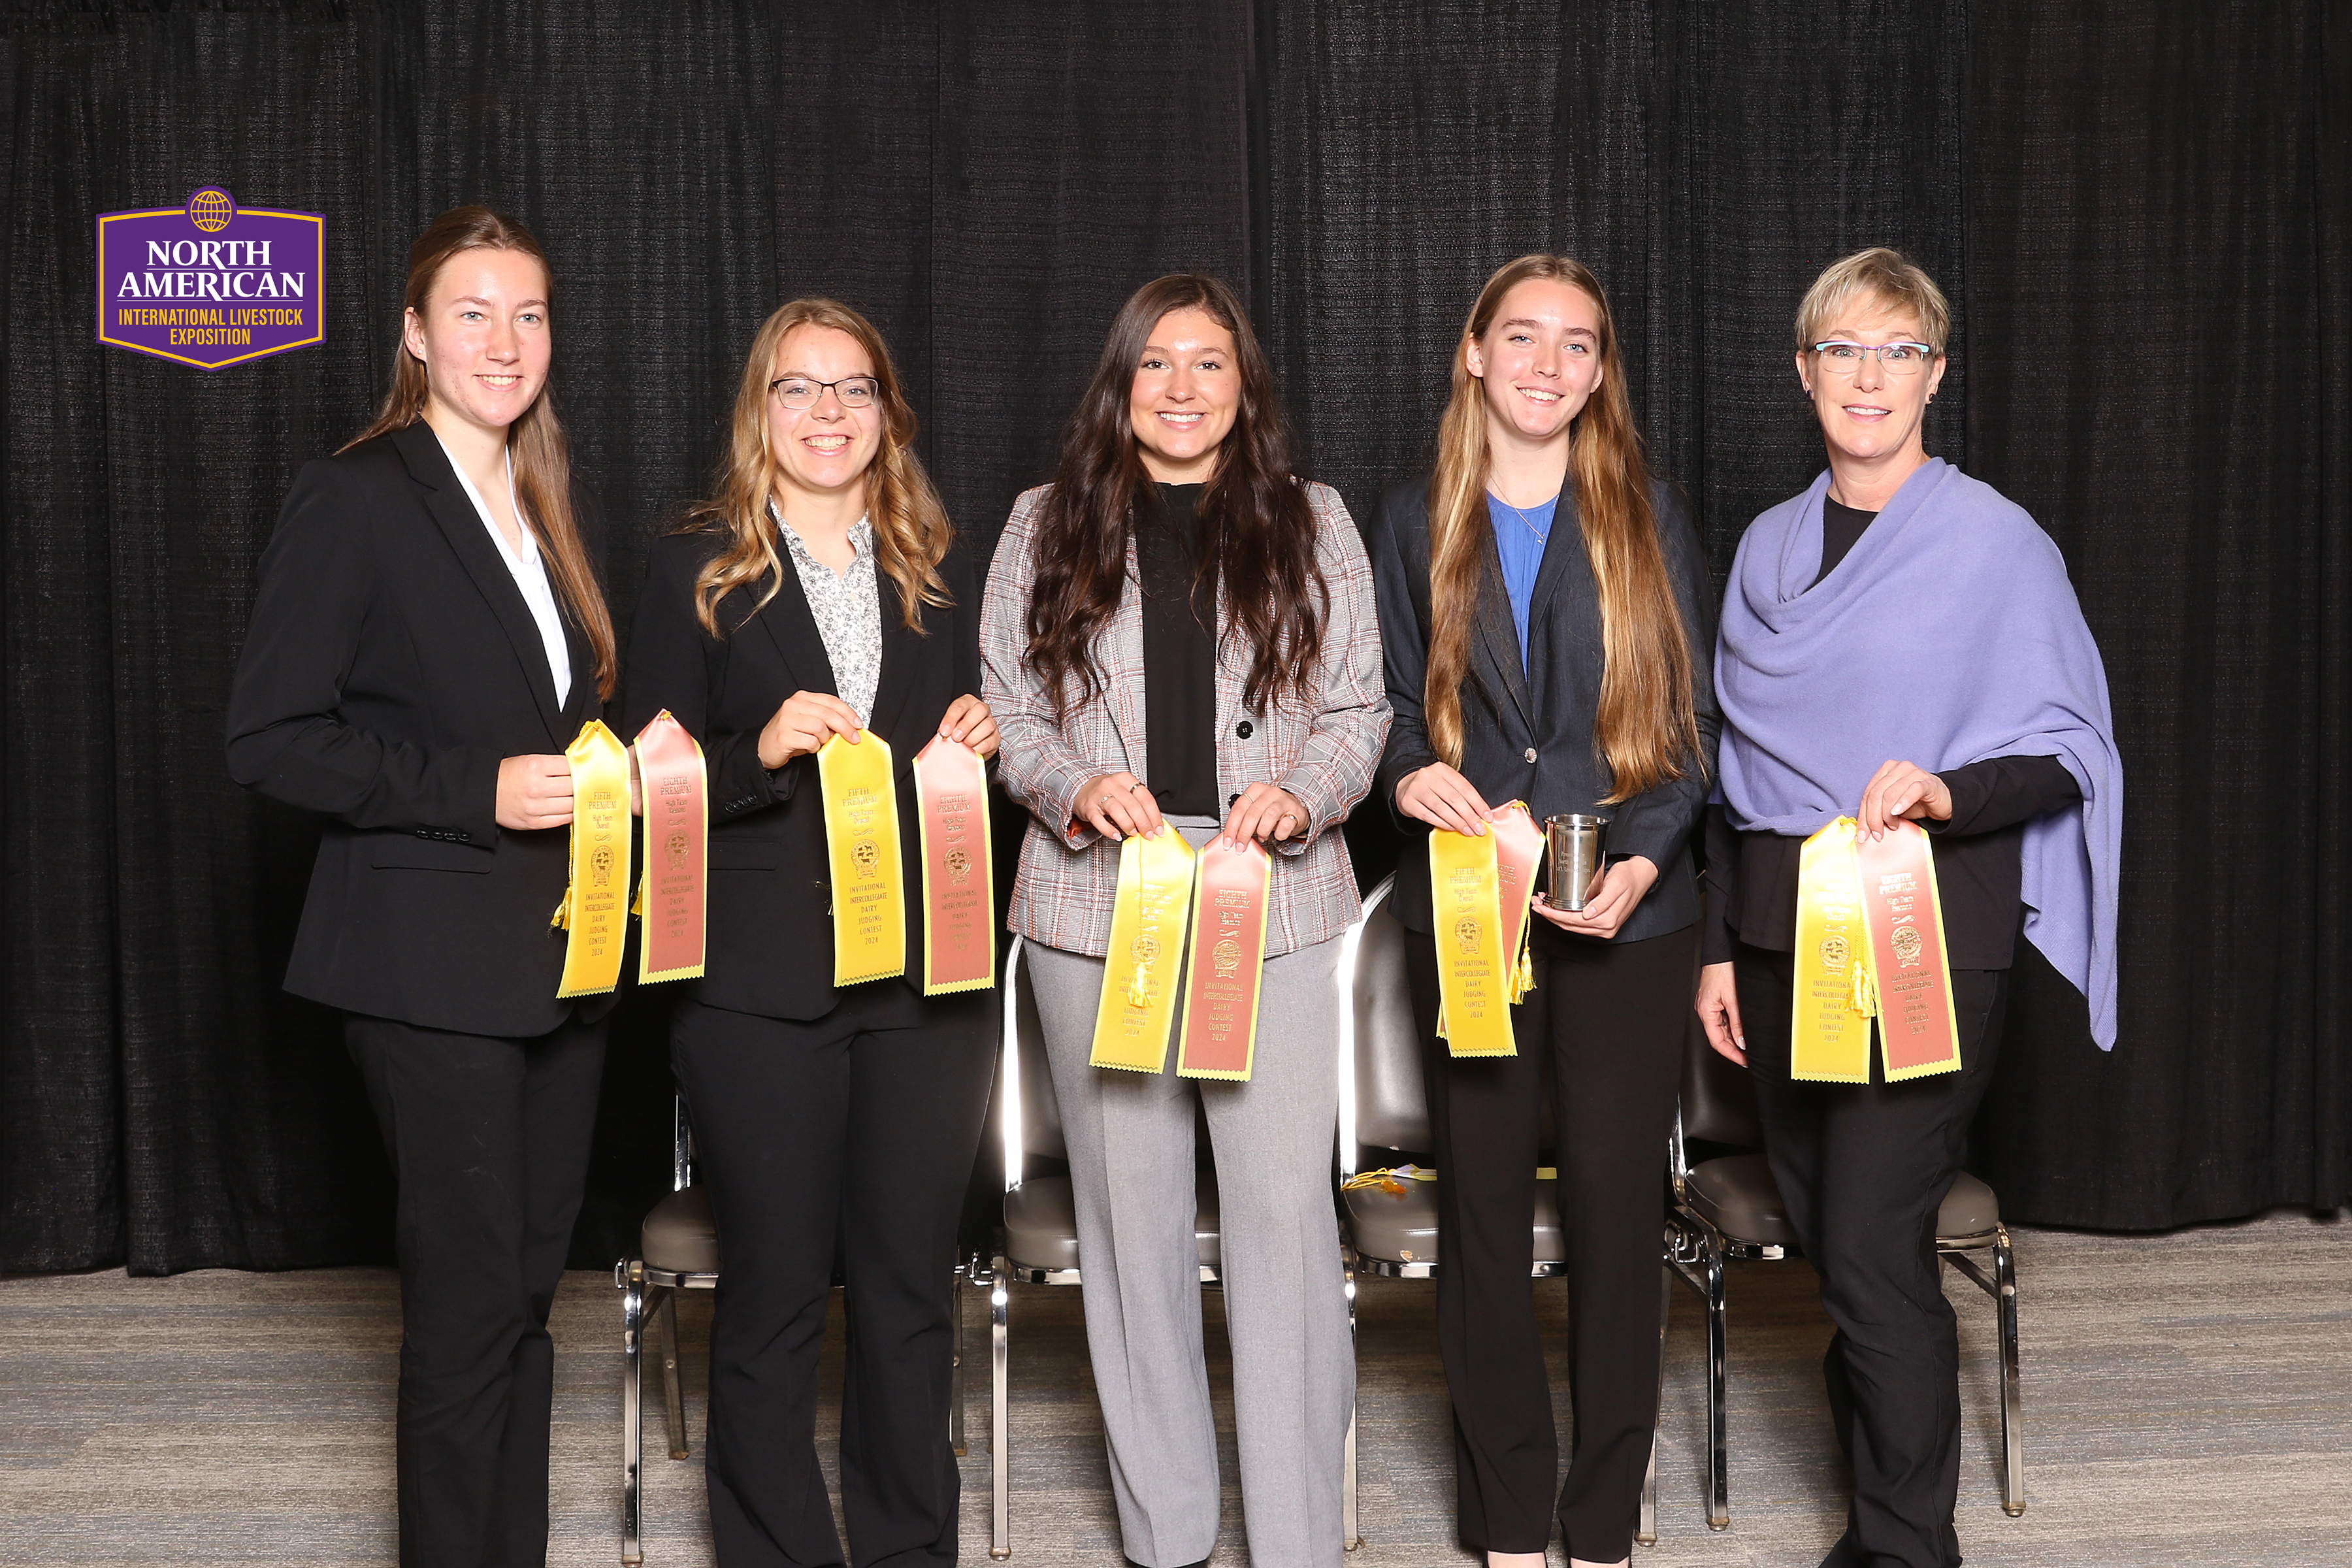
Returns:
point(678, 1250)
point(1727, 1209)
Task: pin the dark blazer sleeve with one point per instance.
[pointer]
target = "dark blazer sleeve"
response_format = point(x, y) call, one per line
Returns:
point(1399, 542)
point(318, 589)
point(675, 664)
point(1657, 824)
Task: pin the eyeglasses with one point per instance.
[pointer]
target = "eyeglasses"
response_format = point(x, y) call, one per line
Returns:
point(1895, 359)
point(800, 392)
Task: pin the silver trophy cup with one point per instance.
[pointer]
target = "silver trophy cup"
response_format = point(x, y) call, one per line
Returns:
point(1577, 844)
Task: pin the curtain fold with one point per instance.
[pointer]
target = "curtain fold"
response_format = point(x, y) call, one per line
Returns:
point(2157, 212)
point(2144, 220)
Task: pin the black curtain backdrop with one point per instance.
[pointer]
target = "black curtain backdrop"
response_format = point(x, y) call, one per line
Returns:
point(2142, 221)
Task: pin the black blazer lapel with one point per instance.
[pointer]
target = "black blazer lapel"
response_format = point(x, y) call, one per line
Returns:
point(1500, 634)
point(791, 627)
point(900, 651)
point(585, 701)
point(1564, 543)
point(467, 535)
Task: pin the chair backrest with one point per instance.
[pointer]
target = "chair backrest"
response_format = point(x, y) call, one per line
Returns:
point(1719, 1097)
point(1029, 1081)
point(1392, 1101)
point(681, 1145)
point(1391, 1107)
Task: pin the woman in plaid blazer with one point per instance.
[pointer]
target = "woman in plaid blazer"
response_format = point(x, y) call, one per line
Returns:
point(1178, 635)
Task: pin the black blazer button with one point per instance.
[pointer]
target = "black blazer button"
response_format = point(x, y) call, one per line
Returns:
point(1231, 799)
point(1244, 729)
point(1531, 753)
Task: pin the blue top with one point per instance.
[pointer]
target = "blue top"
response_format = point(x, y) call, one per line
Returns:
point(1521, 546)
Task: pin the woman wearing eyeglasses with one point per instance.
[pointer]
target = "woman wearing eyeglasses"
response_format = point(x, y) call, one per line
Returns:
point(1180, 638)
point(1899, 643)
point(1543, 606)
point(821, 593)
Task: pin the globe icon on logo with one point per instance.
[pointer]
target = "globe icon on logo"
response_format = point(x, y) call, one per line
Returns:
point(210, 209)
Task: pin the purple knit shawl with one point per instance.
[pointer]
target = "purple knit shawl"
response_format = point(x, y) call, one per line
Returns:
point(1949, 634)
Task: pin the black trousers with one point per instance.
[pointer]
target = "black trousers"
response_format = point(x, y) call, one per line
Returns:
point(488, 1139)
point(1863, 1169)
point(1613, 1017)
point(858, 1130)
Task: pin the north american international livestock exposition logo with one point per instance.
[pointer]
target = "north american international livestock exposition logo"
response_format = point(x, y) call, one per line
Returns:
point(209, 283)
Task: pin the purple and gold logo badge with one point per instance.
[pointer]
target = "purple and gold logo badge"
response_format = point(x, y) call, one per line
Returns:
point(210, 283)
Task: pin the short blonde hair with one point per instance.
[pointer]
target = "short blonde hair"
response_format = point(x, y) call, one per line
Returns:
point(1885, 274)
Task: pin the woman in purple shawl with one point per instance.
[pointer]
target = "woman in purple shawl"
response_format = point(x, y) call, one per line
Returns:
point(1899, 642)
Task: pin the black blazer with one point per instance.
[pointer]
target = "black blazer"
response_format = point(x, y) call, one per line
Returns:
point(1527, 733)
point(770, 901)
point(390, 666)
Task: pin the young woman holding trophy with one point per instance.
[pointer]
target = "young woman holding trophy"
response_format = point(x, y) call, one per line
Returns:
point(1544, 604)
point(427, 667)
point(815, 629)
point(1182, 648)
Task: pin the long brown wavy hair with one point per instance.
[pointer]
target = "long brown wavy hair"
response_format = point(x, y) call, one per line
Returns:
point(1646, 730)
point(541, 453)
point(912, 532)
point(1257, 532)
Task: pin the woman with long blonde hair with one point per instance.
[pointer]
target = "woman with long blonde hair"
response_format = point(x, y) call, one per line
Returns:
point(427, 636)
point(1544, 613)
point(819, 593)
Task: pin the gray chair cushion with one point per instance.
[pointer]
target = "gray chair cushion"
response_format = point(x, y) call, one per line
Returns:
point(1041, 1223)
point(1969, 1209)
point(1402, 1228)
point(1736, 1196)
point(678, 1235)
point(1394, 1228)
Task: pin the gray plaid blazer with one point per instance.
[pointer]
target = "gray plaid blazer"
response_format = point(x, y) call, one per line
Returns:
point(1323, 750)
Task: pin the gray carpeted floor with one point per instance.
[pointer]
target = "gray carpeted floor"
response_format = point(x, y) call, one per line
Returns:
point(2188, 1399)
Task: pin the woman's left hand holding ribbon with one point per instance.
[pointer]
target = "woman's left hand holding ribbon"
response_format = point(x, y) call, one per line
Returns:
point(1263, 811)
point(969, 721)
point(1898, 790)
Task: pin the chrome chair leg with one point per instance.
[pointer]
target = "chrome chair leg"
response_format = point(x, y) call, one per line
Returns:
point(1718, 1499)
point(1352, 1537)
point(633, 1323)
point(2013, 1412)
point(1000, 1539)
point(664, 1314)
point(955, 1386)
point(1646, 1531)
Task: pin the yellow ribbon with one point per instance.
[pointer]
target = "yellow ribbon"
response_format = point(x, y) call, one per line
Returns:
point(1475, 972)
point(1843, 923)
point(1147, 954)
point(861, 837)
point(594, 908)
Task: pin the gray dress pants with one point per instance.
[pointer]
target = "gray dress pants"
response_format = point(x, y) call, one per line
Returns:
point(1129, 1136)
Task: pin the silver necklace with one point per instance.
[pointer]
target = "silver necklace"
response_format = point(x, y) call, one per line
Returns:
point(1543, 535)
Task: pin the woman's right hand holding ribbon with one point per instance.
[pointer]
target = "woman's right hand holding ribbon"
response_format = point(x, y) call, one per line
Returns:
point(534, 792)
point(1439, 796)
point(1116, 806)
point(804, 722)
